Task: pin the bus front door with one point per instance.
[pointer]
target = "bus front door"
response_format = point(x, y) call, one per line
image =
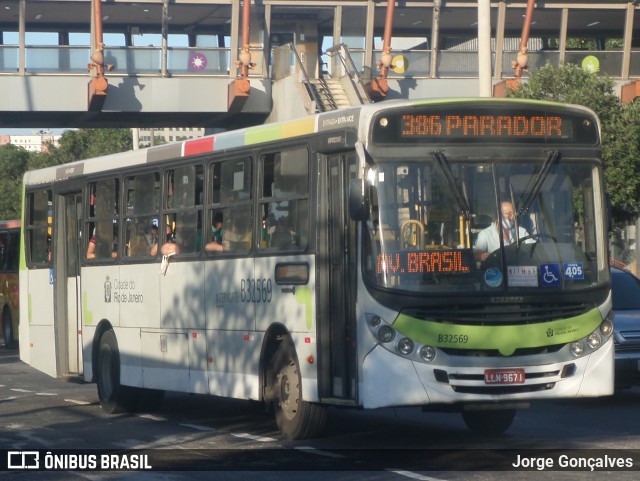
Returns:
point(68, 325)
point(337, 287)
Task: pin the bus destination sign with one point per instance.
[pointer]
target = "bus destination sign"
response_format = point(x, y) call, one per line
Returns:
point(468, 124)
point(492, 126)
point(437, 261)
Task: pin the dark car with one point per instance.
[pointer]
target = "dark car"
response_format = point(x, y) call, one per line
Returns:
point(625, 289)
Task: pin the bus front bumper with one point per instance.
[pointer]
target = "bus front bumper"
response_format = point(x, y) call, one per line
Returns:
point(390, 380)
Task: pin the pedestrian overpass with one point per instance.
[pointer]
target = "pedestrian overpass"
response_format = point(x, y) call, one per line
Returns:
point(213, 64)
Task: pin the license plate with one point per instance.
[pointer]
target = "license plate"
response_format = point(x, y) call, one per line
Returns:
point(504, 376)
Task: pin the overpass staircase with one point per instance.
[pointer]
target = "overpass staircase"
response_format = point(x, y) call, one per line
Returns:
point(329, 94)
point(338, 86)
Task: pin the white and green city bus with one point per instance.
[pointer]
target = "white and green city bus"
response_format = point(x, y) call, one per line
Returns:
point(343, 273)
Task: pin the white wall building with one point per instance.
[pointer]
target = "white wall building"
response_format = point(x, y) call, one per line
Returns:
point(36, 142)
point(148, 137)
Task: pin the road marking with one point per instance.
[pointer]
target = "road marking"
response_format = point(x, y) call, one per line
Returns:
point(319, 452)
point(75, 401)
point(15, 426)
point(413, 475)
point(10, 398)
point(197, 427)
point(151, 416)
point(261, 439)
point(20, 390)
point(46, 394)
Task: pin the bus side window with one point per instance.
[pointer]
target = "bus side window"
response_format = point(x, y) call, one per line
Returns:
point(285, 199)
point(4, 251)
point(231, 203)
point(102, 228)
point(14, 251)
point(143, 214)
point(183, 204)
point(39, 228)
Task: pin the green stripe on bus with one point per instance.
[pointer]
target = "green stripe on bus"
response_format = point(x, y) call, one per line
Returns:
point(263, 134)
point(505, 339)
point(87, 315)
point(23, 259)
point(304, 298)
point(266, 133)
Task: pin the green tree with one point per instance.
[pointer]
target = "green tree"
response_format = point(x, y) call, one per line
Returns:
point(620, 126)
point(73, 145)
point(573, 85)
point(13, 164)
point(622, 162)
point(87, 143)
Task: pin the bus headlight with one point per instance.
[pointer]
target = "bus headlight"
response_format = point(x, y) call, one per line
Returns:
point(386, 334)
point(594, 340)
point(405, 346)
point(427, 353)
point(577, 348)
point(606, 328)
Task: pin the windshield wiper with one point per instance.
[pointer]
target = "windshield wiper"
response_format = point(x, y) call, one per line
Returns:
point(445, 170)
point(530, 194)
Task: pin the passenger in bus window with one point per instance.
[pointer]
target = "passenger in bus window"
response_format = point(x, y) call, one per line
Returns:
point(488, 239)
point(114, 246)
point(264, 234)
point(170, 247)
point(138, 245)
point(217, 231)
point(91, 248)
point(280, 235)
point(153, 238)
point(114, 243)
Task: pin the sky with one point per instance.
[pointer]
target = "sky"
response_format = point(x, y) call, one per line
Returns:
point(33, 131)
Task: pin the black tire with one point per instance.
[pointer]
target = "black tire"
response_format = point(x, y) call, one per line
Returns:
point(7, 330)
point(296, 418)
point(114, 397)
point(489, 422)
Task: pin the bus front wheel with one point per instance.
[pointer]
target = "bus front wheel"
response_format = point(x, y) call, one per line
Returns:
point(489, 422)
point(114, 397)
point(296, 418)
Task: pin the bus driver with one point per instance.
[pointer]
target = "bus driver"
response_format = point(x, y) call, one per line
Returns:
point(488, 239)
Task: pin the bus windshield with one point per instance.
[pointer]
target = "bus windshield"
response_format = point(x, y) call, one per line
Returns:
point(443, 225)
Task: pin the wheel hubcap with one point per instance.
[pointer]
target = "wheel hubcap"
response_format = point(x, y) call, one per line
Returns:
point(287, 379)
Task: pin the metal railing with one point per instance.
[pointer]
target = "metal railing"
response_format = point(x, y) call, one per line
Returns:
point(304, 79)
point(189, 61)
point(350, 70)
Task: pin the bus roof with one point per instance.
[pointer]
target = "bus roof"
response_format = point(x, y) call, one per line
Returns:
point(349, 118)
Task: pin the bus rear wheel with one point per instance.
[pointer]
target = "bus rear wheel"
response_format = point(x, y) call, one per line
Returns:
point(296, 418)
point(489, 422)
point(114, 397)
point(7, 330)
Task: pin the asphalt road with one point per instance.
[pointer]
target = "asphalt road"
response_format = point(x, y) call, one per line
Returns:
point(203, 437)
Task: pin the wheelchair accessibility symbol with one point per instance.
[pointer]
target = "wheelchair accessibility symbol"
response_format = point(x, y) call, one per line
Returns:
point(550, 275)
